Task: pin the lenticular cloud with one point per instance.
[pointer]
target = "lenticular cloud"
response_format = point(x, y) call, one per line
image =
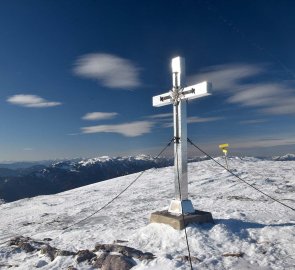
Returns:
point(32, 101)
point(110, 70)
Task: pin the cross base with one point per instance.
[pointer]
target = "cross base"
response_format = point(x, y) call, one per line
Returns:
point(178, 222)
point(178, 207)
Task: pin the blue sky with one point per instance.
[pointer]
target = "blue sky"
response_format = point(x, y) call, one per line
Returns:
point(77, 77)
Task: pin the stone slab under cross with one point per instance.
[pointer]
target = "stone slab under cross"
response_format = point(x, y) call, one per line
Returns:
point(178, 96)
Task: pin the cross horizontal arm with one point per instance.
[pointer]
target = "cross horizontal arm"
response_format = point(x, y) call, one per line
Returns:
point(162, 100)
point(196, 91)
point(190, 92)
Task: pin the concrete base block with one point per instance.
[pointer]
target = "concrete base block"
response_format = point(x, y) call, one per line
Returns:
point(177, 221)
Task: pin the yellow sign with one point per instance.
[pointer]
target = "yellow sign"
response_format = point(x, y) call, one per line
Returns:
point(223, 146)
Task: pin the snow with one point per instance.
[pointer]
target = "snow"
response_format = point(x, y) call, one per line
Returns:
point(245, 221)
point(285, 157)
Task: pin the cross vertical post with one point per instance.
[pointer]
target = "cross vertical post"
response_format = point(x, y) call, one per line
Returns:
point(178, 96)
point(180, 203)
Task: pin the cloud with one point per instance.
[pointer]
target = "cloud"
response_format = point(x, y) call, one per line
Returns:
point(284, 106)
point(110, 70)
point(228, 77)
point(132, 129)
point(31, 101)
point(235, 81)
point(262, 142)
point(160, 115)
point(28, 149)
point(99, 116)
point(196, 119)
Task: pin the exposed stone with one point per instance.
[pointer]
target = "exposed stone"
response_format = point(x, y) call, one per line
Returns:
point(114, 262)
point(22, 243)
point(47, 239)
point(18, 240)
point(120, 241)
point(124, 250)
point(240, 254)
point(106, 261)
point(49, 251)
point(84, 255)
point(27, 247)
point(52, 252)
point(185, 258)
point(72, 268)
point(41, 263)
point(61, 252)
point(98, 262)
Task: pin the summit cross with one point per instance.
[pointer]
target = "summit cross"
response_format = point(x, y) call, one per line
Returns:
point(178, 96)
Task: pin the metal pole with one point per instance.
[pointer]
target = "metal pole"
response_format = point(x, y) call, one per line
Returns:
point(225, 157)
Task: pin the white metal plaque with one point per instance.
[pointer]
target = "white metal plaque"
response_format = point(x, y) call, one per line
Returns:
point(196, 91)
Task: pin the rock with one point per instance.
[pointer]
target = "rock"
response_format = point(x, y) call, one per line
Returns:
point(185, 258)
point(239, 255)
point(61, 252)
point(114, 262)
point(124, 250)
point(72, 268)
point(52, 252)
point(27, 247)
point(49, 251)
point(22, 243)
point(120, 241)
point(99, 260)
point(41, 263)
point(84, 255)
point(18, 240)
point(47, 239)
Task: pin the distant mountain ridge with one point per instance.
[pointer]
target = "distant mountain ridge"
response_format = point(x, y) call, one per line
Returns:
point(18, 180)
point(28, 179)
point(287, 157)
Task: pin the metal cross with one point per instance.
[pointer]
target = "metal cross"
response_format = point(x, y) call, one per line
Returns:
point(178, 97)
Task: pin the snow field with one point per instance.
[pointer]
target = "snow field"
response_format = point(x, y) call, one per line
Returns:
point(246, 222)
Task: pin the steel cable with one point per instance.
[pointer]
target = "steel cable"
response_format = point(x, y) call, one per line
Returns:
point(274, 199)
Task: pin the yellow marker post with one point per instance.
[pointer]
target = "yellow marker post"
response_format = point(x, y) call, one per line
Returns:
point(224, 149)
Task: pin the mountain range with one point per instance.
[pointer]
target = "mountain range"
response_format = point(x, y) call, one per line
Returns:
point(28, 179)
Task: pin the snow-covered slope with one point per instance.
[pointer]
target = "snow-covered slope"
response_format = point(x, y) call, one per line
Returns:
point(247, 223)
point(287, 157)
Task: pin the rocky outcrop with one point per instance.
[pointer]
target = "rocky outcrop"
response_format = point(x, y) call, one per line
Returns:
point(124, 250)
point(107, 261)
point(113, 256)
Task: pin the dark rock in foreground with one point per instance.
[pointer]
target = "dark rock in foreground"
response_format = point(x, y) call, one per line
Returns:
point(105, 261)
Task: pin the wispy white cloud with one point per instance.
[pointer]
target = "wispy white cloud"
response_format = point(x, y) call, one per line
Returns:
point(160, 116)
point(228, 77)
point(99, 116)
point(284, 106)
point(234, 80)
point(31, 101)
point(262, 142)
point(132, 129)
point(196, 119)
point(110, 70)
